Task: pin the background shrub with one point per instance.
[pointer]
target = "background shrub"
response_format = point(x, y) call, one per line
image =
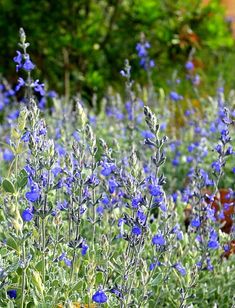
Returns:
point(84, 43)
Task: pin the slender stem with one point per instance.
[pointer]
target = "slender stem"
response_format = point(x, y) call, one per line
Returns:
point(44, 231)
point(93, 206)
point(71, 215)
point(132, 280)
point(77, 232)
point(94, 217)
point(70, 228)
point(56, 240)
point(43, 250)
point(23, 277)
point(74, 249)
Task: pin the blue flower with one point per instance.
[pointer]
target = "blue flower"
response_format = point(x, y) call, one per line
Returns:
point(32, 195)
point(76, 136)
point(141, 216)
point(155, 190)
point(13, 115)
point(121, 221)
point(84, 249)
point(129, 110)
point(112, 186)
point(187, 112)
point(117, 292)
point(100, 210)
point(175, 197)
point(220, 215)
point(136, 201)
point(226, 247)
point(26, 137)
point(28, 65)
point(60, 150)
point(93, 180)
point(219, 148)
point(196, 80)
point(142, 49)
point(142, 52)
point(107, 169)
point(178, 266)
point(18, 59)
point(147, 134)
point(12, 293)
point(213, 244)
point(56, 171)
point(122, 72)
point(189, 159)
point(178, 232)
point(42, 103)
point(163, 206)
point(154, 264)
point(63, 257)
point(151, 63)
point(175, 96)
point(213, 240)
point(210, 213)
point(198, 238)
point(99, 297)
point(196, 222)
point(67, 262)
point(39, 87)
point(136, 230)
point(216, 165)
point(225, 138)
point(20, 84)
point(210, 267)
point(105, 200)
point(29, 170)
point(51, 94)
point(158, 239)
point(189, 66)
point(8, 155)
point(175, 161)
point(229, 151)
point(27, 215)
point(207, 180)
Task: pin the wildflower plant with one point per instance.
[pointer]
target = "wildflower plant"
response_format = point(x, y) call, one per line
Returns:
point(90, 207)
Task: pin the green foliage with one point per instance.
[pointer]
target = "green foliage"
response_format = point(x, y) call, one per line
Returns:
point(22, 179)
point(8, 186)
point(85, 42)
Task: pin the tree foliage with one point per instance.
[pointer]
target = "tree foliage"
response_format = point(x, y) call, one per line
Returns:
point(81, 45)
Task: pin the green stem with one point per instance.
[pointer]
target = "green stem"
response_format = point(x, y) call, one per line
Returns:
point(44, 231)
point(43, 249)
point(23, 277)
point(74, 251)
point(93, 205)
point(56, 241)
point(94, 218)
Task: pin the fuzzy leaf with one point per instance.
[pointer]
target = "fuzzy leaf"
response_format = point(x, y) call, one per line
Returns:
point(8, 186)
point(22, 179)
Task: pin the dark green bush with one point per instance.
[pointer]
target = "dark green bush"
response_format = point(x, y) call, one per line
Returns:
point(81, 45)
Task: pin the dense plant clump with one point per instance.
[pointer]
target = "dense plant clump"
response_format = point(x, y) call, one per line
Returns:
point(107, 210)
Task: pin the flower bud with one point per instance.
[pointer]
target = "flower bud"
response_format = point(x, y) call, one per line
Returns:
point(22, 119)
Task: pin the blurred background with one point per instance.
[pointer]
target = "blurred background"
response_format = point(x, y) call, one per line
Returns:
point(80, 45)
